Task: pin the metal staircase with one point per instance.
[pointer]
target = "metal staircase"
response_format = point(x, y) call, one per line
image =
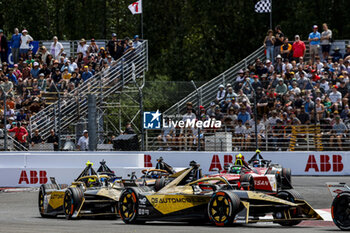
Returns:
point(73, 106)
point(208, 90)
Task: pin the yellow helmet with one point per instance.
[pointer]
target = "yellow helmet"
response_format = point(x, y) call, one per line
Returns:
point(89, 163)
point(239, 156)
point(257, 151)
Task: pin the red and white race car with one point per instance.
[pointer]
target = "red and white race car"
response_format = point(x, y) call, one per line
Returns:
point(258, 174)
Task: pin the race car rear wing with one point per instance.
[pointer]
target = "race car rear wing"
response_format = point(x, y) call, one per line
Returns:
point(336, 187)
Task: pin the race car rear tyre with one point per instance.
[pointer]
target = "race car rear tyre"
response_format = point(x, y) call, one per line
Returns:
point(160, 183)
point(291, 196)
point(73, 199)
point(278, 178)
point(223, 207)
point(247, 178)
point(128, 206)
point(41, 199)
point(286, 177)
point(340, 211)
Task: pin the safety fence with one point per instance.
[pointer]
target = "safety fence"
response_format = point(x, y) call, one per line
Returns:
point(271, 138)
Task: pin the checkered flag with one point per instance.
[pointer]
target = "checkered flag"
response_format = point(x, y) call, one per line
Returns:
point(263, 6)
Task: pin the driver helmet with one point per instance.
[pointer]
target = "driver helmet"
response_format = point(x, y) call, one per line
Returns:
point(239, 159)
point(256, 163)
point(160, 159)
point(91, 182)
point(193, 163)
point(257, 151)
point(236, 170)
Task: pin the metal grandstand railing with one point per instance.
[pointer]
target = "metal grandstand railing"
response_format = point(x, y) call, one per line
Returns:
point(208, 90)
point(110, 81)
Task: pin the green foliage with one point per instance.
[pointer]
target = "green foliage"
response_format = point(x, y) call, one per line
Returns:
point(189, 39)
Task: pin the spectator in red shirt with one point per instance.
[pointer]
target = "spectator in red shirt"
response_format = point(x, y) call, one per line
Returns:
point(314, 76)
point(20, 134)
point(298, 49)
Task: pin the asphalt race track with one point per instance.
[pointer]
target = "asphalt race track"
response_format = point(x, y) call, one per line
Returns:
point(19, 213)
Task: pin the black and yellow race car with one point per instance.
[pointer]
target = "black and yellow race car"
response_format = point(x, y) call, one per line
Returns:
point(189, 199)
point(91, 194)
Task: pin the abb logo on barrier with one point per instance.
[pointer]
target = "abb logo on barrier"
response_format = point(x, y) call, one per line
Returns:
point(325, 164)
point(215, 161)
point(33, 177)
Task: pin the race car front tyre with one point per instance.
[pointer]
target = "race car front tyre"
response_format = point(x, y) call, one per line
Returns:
point(223, 207)
point(73, 199)
point(160, 183)
point(127, 206)
point(340, 211)
point(42, 197)
point(291, 196)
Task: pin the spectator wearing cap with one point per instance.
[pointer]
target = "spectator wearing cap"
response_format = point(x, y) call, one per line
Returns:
point(86, 74)
point(279, 40)
point(15, 44)
point(336, 55)
point(298, 48)
point(220, 94)
point(25, 40)
point(35, 70)
point(338, 132)
point(335, 96)
point(281, 87)
point(112, 46)
point(211, 110)
point(286, 48)
point(314, 39)
point(56, 48)
point(269, 41)
point(326, 37)
point(137, 41)
point(278, 64)
point(270, 68)
point(57, 76)
point(243, 115)
point(83, 143)
point(93, 47)
point(82, 47)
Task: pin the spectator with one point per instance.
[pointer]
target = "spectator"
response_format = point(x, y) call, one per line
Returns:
point(3, 46)
point(15, 44)
point(137, 42)
point(93, 47)
point(347, 52)
point(129, 129)
point(314, 39)
point(243, 115)
point(86, 74)
point(25, 40)
point(281, 87)
point(335, 96)
point(56, 48)
point(286, 48)
point(7, 86)
point(83, 143)
point(166, 136)
point(82, 47)
point(279, 37)
point(336, 55)
point(36, 139)
point(20, 135)
point(240, 129)
point(53, 138)
point(338, 132)
point(112, 46)
point(298, 48)
point(221, 94)
point(326, 38)
point(269, 41)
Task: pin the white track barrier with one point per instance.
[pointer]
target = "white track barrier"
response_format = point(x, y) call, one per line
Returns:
point(31, 169)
